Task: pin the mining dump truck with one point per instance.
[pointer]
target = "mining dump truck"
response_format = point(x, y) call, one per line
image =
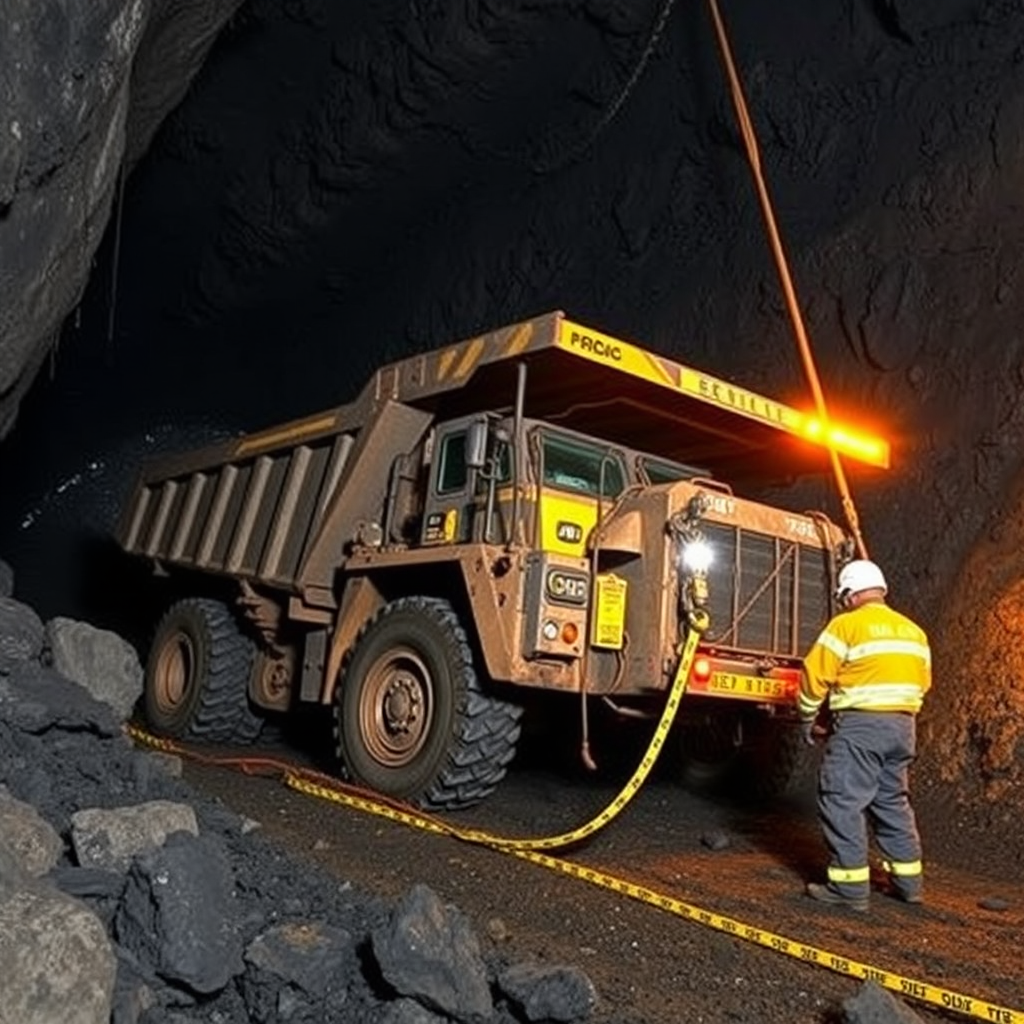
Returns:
point(539, 508)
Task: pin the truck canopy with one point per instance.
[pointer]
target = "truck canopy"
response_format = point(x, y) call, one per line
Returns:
point(610, 389)
point(591, 382)
point(617, 391)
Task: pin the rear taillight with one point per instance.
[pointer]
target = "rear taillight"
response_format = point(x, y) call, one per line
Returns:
point(791, 679)
point(701, 671)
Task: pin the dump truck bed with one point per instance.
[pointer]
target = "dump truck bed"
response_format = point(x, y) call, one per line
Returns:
point(231, 510)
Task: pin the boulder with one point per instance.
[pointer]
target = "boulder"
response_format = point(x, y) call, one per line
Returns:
point(551, 993)
point(305, 967)
point(35, 699)
point(107, 666)
point(32, 840)
point(21, 634)
point(56, 960)
point(178, 916)
point(427, 951)
point(111, 839)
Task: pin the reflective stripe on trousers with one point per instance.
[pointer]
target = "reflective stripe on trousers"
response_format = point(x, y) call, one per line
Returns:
point(864, 776)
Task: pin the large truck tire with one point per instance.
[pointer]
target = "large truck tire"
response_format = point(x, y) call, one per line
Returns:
point(196, 684)
point(411, 719)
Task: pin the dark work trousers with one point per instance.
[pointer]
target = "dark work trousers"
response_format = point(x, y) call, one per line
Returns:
point(864, 774)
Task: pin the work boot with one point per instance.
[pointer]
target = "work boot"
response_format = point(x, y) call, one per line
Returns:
point(826, 894)
point(907, 897)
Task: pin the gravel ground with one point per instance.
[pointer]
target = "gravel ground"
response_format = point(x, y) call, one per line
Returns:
point(720, 855)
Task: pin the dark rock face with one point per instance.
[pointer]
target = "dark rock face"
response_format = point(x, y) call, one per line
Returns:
point(69, 75)
point(65, 76)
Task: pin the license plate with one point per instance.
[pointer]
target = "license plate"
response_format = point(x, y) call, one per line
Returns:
point(731, 684)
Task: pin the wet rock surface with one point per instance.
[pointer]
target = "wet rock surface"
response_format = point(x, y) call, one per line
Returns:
point(84, 85)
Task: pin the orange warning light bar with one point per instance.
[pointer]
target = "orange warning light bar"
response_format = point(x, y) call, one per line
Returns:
point(629, 359)
point(864, 447)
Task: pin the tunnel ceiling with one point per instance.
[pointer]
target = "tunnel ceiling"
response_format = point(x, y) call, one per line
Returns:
point(231, 212)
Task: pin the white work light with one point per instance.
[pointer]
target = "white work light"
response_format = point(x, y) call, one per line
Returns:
point(697, 556)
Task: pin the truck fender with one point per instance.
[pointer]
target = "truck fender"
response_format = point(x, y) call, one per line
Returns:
point(360, 601)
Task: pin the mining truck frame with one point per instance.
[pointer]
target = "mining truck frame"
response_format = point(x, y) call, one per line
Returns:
point(532, 508)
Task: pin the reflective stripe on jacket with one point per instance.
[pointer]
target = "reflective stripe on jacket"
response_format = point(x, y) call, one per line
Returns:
point(870, 658)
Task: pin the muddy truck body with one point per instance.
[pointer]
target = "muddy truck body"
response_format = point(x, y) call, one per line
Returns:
point(539, 508)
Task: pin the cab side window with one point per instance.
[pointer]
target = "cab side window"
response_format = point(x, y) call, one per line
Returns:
point(451, 471)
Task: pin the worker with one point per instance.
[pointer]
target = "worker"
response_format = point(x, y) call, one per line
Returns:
point(866, 675)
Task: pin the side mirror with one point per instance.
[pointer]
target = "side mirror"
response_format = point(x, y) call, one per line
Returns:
point(476, 445)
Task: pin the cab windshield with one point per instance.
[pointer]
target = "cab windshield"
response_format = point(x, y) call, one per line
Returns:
point(574, 465)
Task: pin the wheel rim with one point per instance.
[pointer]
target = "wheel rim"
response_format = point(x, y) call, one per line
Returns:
point(396, 708)
point(175, 672)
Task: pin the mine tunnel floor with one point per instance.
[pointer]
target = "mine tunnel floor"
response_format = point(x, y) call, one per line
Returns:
point(649, 965)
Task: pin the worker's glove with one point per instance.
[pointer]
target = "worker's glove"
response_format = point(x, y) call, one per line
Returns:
point(808, 730)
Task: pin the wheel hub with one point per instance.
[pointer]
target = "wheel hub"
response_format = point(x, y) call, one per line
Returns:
point(395, 708)
point(401, 704)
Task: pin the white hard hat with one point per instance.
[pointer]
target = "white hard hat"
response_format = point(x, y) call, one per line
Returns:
point(860, 574)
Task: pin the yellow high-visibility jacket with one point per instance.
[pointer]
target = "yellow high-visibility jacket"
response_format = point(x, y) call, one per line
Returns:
point(870, 658)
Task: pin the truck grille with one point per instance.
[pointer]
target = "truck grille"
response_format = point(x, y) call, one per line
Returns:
point(749, 611)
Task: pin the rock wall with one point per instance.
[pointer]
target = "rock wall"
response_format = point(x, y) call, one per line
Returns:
point(83, 87)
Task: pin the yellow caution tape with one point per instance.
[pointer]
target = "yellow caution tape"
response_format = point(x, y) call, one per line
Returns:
point(307, 780)
point(315, 784)
point(912, 988)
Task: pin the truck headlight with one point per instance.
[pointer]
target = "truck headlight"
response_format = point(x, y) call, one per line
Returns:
point(696, 556)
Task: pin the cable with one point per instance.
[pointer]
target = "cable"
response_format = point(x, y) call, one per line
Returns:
point(750, 140)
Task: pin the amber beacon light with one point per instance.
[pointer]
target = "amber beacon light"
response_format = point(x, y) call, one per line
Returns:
point(858, 445)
